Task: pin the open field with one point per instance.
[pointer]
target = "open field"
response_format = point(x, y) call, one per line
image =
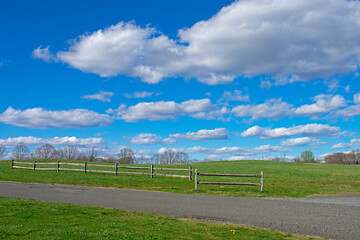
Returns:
point(29, 219)
point(281, 179)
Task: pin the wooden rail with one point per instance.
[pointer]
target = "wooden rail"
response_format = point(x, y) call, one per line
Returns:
point(88, 168)
point(261, 176)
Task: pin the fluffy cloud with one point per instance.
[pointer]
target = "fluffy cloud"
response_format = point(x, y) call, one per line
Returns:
point(162, 110)
point(214, 114)
point(324, 103)
point(43, 54)
point(353, 142)
point(203, 134)
point(101, 95)
point(40, 118)
point(150, 139)
point(56, 141)
point(357, 98)
point(272, 108)
point(347, 88)
point(349, 112)
point(287, 40)
point(294, 142)
point(304, 130)
point(276, 109)
point(237, 95)
point(139, 94)
point(123, 48)
point(303, 36)
point(233, 150)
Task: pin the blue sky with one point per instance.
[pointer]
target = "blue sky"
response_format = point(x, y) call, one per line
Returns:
point(216, 79)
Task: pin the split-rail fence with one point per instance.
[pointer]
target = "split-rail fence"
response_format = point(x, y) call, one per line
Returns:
point(87, 168)
point(261, 176)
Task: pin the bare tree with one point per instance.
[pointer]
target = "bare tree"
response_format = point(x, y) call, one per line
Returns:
point(168, 157)
point(343, 158)
point(126, 156)
point(109, 159)
point(156, 158)
point(143, 160)
point(70, 153)
point(91, 154)
point(46, 151)
point(21, 151)
point(3, 152)
point(181, 157)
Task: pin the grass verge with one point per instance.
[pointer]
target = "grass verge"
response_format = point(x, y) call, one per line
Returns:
point(30, 219)
point(282, 179)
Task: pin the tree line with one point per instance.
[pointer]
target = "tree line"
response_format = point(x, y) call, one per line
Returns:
point(352, 157)
point(124, 156)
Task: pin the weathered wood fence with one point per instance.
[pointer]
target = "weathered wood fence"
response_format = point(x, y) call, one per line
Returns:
point(88, 168)
point(261, 184)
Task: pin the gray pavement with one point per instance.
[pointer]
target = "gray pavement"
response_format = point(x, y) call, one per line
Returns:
point(331, 217)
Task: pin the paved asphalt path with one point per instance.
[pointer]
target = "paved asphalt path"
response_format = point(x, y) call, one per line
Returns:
point(335, 218)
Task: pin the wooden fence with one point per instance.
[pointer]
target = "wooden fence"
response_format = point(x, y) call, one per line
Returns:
point(87, 168)
point(261, 184)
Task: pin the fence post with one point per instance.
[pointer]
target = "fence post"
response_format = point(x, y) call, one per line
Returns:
point(58, 165)
point(190, 173)
point(262, 181)
point(116, 167)
point(196, 179)
point(34, 165)
point(85, 167)
point(151, 171)
point(12, 164)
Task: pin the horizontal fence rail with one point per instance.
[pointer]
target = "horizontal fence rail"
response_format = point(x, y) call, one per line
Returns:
point(59, 166)
point(261, 176)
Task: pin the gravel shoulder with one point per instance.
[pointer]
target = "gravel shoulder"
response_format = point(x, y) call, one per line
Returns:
point(331, 217)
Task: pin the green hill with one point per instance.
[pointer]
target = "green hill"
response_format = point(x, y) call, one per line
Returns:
point(281, 179)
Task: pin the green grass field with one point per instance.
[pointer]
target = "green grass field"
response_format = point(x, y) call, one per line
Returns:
point(29, 219)
point(281, 179)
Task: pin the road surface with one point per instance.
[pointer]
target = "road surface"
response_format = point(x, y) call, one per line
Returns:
point(331, 217)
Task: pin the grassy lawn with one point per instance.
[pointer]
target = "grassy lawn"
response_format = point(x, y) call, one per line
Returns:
point(281, 179)
point(29, 219)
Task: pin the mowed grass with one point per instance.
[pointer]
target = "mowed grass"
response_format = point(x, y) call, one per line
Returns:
point(282, 179)
point(29, 219)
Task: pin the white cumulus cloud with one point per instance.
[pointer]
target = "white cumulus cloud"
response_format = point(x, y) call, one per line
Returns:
point(324, 103)
point(101, 95)
point(162, 110)
point(294, 142)
point(289, 41)
point(357, 98)
point(352, 143)
point(203, 134)
point(349, 112)
point(272, 109)
point(238, 150)
point(139, 94)
point(150, 139)
point(237, 95)
point(43, 54)
point(303, 130)
point(40, 118)
point(56, 141)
